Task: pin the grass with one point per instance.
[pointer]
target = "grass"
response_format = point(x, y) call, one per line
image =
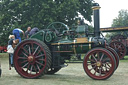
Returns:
point(3, 55)
point(125, 59)
point(71, 75)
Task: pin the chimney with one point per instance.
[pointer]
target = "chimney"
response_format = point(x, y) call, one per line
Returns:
point(96, 8)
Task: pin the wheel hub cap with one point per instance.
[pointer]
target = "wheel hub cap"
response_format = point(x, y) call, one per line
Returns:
point(30, 58)
point(98, 64)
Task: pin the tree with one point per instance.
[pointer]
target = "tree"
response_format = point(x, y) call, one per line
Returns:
point(120, 21)
point(40, 13)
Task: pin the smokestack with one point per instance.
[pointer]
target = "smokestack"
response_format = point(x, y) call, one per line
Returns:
point(96, 8)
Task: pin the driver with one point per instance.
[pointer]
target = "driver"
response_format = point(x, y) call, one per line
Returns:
point(29, 32)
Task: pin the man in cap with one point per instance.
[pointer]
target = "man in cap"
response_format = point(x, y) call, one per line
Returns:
point(16, 32)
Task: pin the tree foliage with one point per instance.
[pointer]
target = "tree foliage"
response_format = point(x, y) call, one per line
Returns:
point(120, 21)
point(40, 13)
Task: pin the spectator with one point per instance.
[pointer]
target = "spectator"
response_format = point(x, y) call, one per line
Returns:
point(10, 49)
point(27, 32)
point(16, 32)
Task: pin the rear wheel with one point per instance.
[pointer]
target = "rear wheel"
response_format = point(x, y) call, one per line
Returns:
point(32, 58)
point(99, 63)
point(119, 48)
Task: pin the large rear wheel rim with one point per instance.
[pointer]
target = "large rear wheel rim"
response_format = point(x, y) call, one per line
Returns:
point(30, 59)
point(101, 69)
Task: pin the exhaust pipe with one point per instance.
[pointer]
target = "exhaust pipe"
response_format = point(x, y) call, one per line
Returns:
point(96, 18)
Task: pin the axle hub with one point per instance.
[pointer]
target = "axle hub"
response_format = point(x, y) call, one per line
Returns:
point(98, 63)
point(30, 58)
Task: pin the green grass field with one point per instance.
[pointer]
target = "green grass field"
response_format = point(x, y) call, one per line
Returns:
point(72, 75)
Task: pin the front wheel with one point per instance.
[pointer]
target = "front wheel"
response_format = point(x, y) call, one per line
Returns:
point(99, 63)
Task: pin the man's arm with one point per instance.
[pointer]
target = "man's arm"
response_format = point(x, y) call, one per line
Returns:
point(22, 32)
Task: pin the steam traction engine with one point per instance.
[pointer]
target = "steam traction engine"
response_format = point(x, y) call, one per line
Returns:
point(46, 52)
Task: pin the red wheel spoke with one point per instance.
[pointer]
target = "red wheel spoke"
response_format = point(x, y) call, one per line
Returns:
point(100, 71)
point(105, 59)
point(39, 56)
point(95, 71)
point(24, 61)
point(31, 69)
point(108, 65)
point(92, 64)
point(35, 68)
point(104, 65)
point(98, 57)
point(94, 57)
point(41, 59)
point(119, 46)
point(29, 50)
point(38, 52)
point(107, 68)
point(22, 58)
point(25, 65)
point(121, 53)
point(92, 68)
point(114, 45)
point(102, 57)
point(38, 67)
point(25, 54)
point(91, 60)
point(35, 50)
point(25, 50)
point(40, 63)
point(32, 47)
